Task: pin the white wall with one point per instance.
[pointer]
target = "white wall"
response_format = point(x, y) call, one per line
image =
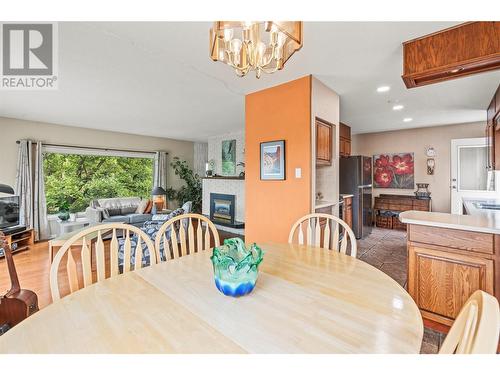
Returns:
point(325, 105)
point(12, 130)
point(223, 186)
point(215, 149)
point(200, 158)
point(416, 141)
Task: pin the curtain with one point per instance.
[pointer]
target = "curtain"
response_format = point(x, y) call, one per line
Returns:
point(160, 170)
point(40, 221)
point(30, 186)
point(24, 179)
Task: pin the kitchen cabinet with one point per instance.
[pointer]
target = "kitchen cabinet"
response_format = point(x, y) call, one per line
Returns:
point(459, 51)
point(348, 211)
point(344, 140)
point(324, 136)
point(445, 266)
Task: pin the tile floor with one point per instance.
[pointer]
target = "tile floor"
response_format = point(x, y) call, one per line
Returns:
point(386, 250)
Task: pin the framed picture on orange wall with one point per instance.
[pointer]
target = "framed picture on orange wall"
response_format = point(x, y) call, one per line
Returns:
point(272, 160)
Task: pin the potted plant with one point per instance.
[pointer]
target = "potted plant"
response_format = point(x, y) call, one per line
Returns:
point(63, 214)
point(191, 191)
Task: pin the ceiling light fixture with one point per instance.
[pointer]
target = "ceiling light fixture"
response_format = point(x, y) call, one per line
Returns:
point(407, 119)
point(383, 89)
point(398, 107)
point(252, 45)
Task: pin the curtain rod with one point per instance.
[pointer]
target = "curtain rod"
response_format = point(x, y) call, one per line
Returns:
point(94, 148)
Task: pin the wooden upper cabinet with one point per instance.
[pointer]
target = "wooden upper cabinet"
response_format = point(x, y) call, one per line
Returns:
point(465, 49)
point(324, 136)
point(344, 140)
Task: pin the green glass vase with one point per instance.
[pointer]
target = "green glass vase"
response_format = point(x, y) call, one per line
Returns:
point(236, 267)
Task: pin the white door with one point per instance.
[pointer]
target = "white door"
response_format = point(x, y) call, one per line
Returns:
point(469, 171)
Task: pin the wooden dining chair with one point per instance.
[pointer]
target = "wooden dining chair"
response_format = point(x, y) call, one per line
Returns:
point(336, 233)
point(176, 242)
point(477, 327)
point(82, 240)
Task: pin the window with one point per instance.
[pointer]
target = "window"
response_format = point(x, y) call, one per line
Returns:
point(74, 177)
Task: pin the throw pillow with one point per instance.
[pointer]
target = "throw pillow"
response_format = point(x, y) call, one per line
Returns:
point(104, 212)
point(187, 206)
point(149, 207)
point(142, 206)
point(126, 210)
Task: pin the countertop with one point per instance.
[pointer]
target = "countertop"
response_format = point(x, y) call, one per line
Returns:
point(323, 204)
point(478, 222)
point(344, 196)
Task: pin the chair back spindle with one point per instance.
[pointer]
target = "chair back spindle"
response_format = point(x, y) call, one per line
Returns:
point(326, 231)
point(84, 241)
point(176, 243)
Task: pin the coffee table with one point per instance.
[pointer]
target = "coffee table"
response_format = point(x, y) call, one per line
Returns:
point(58, 242)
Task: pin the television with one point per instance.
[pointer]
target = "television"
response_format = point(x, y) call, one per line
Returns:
point(9, 212)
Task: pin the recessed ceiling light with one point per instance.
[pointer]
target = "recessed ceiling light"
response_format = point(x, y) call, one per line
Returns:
point(398, 107)
point(407, 119)
point(383, 89)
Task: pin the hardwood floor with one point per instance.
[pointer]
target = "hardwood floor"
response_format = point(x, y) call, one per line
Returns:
point(384, 249)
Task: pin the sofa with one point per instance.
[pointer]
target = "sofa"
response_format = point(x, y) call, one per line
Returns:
point(128, 210)
point(151, 228)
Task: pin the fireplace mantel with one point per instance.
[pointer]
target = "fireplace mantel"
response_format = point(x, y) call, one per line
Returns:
point(224, 178)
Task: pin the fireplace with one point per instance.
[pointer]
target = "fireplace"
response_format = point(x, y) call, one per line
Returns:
point(222, 208)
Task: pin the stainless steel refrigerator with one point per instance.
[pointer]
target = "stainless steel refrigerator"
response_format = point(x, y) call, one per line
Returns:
point(355, 178)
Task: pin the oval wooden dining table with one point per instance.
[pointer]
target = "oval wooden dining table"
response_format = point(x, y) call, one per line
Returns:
point(307, 300)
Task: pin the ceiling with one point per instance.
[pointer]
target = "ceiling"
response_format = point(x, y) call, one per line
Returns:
point(157, 79)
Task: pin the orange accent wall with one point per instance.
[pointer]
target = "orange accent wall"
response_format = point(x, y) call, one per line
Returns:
point(280, 112)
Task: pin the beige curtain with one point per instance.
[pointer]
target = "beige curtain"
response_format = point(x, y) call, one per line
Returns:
point(30, 186)
point(160, 170)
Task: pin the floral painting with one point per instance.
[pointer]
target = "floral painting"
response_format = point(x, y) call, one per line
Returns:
point(394, 171)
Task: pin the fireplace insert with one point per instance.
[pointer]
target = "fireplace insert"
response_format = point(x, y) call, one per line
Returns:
point(222, 208)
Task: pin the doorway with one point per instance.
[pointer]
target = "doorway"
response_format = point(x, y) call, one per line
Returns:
point(470, 177)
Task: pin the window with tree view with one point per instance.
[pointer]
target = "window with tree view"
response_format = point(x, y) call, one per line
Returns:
point(73, 181)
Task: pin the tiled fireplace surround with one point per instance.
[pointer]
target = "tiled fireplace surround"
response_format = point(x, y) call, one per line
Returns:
point(225, 186)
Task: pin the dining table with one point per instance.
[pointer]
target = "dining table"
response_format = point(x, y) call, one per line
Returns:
point(306, 300)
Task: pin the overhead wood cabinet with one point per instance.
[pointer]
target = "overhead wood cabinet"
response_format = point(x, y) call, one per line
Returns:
point(324, 136)
point(462, 50)
point(344, 140)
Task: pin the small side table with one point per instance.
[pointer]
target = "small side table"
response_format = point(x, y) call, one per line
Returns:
point(71, 226)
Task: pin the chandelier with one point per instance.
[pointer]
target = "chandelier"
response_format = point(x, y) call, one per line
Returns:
point(253, 45)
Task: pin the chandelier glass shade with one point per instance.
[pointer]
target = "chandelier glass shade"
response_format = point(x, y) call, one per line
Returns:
point(253, 45)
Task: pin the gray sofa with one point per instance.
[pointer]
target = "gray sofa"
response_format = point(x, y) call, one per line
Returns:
point(116, 210)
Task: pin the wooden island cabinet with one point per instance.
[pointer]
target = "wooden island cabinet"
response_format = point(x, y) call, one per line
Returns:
point(449, 258)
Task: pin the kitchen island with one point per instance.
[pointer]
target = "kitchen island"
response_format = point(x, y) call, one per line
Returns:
point(449, 257)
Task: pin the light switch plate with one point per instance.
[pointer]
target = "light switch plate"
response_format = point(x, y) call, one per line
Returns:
point(298, 172)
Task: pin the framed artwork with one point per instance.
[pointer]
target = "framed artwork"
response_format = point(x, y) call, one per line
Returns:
point(272, 160)
point(394, 171)
point(229, 157)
